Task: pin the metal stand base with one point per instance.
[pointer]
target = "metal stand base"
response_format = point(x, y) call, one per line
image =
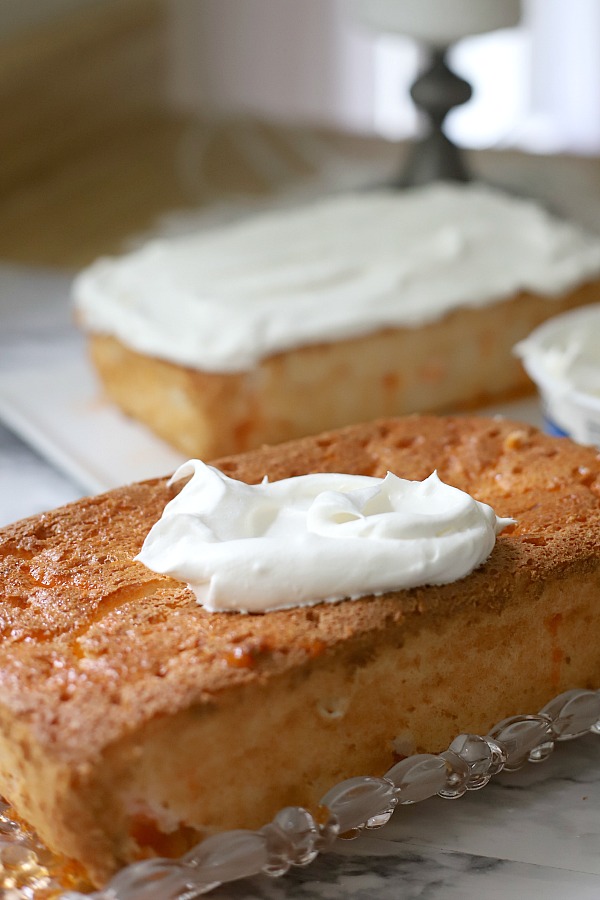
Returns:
point(435, 157)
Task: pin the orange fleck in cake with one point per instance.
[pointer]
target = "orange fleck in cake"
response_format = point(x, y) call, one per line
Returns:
point(352, 308)
point(133, 721)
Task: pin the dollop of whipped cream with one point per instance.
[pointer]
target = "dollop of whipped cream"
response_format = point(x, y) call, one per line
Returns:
point(221, 300)
point(315, 538)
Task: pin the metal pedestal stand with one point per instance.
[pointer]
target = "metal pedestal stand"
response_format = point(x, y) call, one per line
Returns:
point(436, 92)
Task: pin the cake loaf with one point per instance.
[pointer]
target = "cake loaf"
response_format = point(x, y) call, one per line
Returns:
point(352, 308)
point(133, 721)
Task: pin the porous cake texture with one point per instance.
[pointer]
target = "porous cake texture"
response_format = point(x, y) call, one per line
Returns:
point(132, 721)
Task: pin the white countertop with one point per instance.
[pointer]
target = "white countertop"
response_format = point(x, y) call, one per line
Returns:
point(35, 329)
point(58, 439)
point(534, 833)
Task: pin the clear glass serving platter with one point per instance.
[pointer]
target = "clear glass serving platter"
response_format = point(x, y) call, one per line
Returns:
point(296, 837)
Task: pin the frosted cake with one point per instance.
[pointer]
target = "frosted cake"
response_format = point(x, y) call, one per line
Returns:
point(135, 721)
point(351, 308)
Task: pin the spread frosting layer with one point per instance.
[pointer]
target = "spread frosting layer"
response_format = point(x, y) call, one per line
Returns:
point(339, 268)
point(315, 538)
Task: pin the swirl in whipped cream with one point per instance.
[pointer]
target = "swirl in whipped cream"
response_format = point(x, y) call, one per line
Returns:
point(315, 538)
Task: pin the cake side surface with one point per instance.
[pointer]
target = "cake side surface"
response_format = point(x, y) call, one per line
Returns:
point(459, 362)
point(96, 646)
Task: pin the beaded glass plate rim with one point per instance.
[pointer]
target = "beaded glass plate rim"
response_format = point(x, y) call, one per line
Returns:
point(296, 836)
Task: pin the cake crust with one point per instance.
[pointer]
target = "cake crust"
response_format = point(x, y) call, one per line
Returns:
point(104, 665)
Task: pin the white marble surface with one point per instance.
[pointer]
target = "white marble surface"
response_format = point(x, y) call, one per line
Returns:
point(535, 833)
point(531, 834)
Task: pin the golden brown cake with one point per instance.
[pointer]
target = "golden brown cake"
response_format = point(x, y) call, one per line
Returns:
point(355, 307)
point(133, 721)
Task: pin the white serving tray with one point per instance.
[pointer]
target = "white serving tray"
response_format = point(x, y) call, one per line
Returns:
point(59, 410)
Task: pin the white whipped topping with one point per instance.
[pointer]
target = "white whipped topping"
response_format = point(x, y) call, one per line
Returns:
point(567, 350)
point(339, 268)
point(315, 538)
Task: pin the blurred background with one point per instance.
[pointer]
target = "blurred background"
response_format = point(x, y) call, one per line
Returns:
point(116, 113)
point(123, 119)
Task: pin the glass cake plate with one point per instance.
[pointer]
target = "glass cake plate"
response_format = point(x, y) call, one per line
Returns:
point(297, 837)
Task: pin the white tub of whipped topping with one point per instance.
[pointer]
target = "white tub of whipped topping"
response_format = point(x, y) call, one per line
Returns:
point(562, 357)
